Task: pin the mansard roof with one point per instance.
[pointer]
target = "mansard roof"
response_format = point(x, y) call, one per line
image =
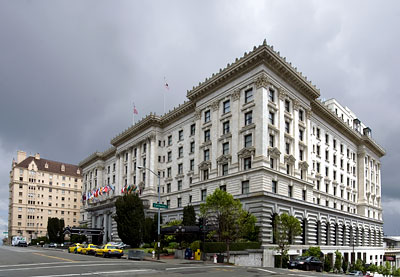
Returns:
point(52, 166)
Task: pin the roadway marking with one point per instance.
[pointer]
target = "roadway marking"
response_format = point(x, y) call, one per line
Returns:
point(97, 273)
point(196, 267)
point(265, 270)
point(54, 257)
point(58, 266)
point(53, 263)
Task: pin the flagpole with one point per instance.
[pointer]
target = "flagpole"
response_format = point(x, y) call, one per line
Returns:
point(164, 101)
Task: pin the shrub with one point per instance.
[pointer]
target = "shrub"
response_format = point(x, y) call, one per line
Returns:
point(338, 261)
point(195, 245)
point(173, 245)
point(345, 265)
point(146, 245)
point(220, 247)
point(327, 264)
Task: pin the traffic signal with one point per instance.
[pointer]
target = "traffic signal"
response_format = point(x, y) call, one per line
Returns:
point(201, 224)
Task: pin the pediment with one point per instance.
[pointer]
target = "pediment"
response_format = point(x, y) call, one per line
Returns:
point(303, 165)
point(204, 165)
point(246, 152)
point(274, 152)
point(224, 159)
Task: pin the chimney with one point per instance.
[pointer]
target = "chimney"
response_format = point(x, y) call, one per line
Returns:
point(37, 156)
point(21, 155)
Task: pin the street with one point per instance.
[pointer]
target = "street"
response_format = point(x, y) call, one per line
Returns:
point(32, 261)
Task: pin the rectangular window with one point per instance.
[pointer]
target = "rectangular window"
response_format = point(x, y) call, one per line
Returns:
point(287, 148)
point(169, 173)
point(192, 129)
point(301, 154)
point(207, 116)
point(180, 152)
point(304, 194)
point(180, 185)
point(203, 194)
point(205, 174)
point(144, 147)
point(179, 202)
point(301, 115)
point(271, 118)
point(301, 135)
point(168, 203)
point(245, 187)
point(287, 127)
point(248, 118)
point(223, 187)
point(247, 163)
point(318, 132)
point(192, 147)
point(290, 191)
point(248, 140)
point(287, 106)
point(225, 148)
point(326, 138)
point(191, 165)
point(169, 156)
point(180, 135)
point(271, 95)
point(274, 186)
point(169, 140)
point(206, 154)
point(271, 140)
point(271, 163)
point(226, 127)
point(248, 95)
point(207, 135)
point(168, 188)
point(180, 168)
point(224, 169)
point(226, 106)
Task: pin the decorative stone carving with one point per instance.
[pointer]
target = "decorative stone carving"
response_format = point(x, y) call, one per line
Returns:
point(308, 114)
point(274, 152)
point(282, 94)
point(236, 95)
point(197, 114)
point(296, 104)
point(224, 159)
point(215, 105)
point(303, 165)
point(262, 81)
point(246, 152)
point(290, 159)
point(204, 165)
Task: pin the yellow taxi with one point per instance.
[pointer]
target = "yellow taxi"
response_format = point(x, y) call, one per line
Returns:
point(90, 249)
point(74, 248)
point(79, 249)
point(109, 250)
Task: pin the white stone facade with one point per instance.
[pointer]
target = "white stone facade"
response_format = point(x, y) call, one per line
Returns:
point(258, 130)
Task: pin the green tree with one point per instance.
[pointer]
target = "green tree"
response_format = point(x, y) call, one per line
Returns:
point(359, 266)
point(345, 265)
point(227, 215)
point(313, 251)
point(338, 261)
point(55, 229)
point(130, 219)
point(327, 264)
point(189, 216)
point(148, 235)
point(386, 269)
point(286, 228)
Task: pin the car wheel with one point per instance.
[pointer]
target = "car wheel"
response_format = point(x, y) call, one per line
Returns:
point(104, 255)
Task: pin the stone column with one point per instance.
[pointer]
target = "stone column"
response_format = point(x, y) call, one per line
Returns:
point(295, 123)
point(260, 116)
point(215, 131)
point(151, 157)
point(121, 171)
point(129, 174)
point(281, 123)
point(235, 126)
point(105, 217)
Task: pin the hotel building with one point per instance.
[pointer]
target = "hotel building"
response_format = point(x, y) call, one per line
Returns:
point(40, 189)
point(258, 130)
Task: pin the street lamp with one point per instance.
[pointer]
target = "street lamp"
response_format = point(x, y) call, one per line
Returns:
point(158, 217)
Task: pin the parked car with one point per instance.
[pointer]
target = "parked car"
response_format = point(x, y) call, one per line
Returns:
point(356, 273)
point(90, 249)
point(109, 250)
point(310, 263)
point(73, 248)
point(22, 243)
point(52, 245)
point(293, 263)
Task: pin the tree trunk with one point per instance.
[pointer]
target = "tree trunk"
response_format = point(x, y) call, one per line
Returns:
point(227, 252)
point(281, 261)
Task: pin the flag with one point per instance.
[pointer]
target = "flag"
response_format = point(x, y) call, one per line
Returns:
point(166, 84)
point(134, 109)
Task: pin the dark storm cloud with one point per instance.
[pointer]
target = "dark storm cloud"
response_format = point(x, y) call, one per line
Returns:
point(70, 70)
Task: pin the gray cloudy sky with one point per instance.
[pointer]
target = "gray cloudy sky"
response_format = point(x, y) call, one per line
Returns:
point(70, 70)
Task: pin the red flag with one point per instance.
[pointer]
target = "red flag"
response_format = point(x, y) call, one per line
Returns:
point(166, 84)
point(134, 110)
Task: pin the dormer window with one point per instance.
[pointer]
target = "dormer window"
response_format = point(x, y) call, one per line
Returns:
point(62, 168)
point(46, 165)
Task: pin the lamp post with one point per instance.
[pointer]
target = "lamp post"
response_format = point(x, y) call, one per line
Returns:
point(158, 217)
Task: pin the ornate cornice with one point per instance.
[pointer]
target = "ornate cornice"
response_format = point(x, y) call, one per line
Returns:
point(303, 165)
point(224, 159)
point(236, 95)
point(204, 165)
point(262, 81)
point(215, 105)
point(197, 114)
point(282, 94)
point(263, 54)
point(290, 159)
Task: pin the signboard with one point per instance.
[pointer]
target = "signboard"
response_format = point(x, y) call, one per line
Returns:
point(158, 205)
point(5, 234)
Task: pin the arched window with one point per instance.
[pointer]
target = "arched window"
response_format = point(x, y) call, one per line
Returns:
point(344, 235)
point(336, 234)
point(305, 231)
point(318, 232)
point(274, 227)
point(328, 233)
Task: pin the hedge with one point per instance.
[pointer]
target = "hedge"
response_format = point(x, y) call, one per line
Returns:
point(219, 247)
